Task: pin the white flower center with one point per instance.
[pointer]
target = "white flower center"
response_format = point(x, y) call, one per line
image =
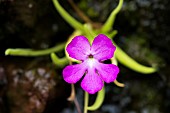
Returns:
point(91, 62)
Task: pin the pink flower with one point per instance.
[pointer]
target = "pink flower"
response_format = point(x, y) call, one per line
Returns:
point(95, 72)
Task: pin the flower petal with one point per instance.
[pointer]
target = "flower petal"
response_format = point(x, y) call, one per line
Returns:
point(78, 48)
point(73, 73)
point(102, 47)
point(108, 72)
point(92, 82)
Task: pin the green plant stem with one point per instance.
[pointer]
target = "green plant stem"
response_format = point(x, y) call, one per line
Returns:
point(30, 52)
point(99, 100)
point(89, 33)
point(59, 61)
point(110, 21)
point(112, 34)
point(67, 17)
point(123, 58)
point(86, 101)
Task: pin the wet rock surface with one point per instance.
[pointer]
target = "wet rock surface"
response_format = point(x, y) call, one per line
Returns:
point(33, 85)
point(31, 88)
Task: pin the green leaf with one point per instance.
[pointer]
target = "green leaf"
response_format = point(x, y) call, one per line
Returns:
point(67, 17)
point(112, 34)
point(110, 21)
point(31, 53)
point(99, 100)
point(59, 61)
point(123, 58)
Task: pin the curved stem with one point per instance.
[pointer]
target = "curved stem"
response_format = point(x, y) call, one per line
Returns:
point(126, 60)
point(86, 101)
point(109, 22)
point(58, 61)
point(30, 52)
point(72, 95)
point(117, 83)
point(67, 17)
point(99, 100)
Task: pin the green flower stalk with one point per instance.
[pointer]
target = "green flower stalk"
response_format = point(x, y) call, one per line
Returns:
point(31, 53)
point(111, 19)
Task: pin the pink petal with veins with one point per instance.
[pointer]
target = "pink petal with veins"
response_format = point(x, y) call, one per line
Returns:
point(102, 48)
point(79, 48)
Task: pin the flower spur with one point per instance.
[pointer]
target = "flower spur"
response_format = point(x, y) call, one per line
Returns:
point(91, 57)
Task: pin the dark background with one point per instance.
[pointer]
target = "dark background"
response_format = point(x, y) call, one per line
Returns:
point(35, 85)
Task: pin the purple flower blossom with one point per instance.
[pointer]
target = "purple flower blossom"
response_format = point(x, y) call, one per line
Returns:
point(96, 72)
